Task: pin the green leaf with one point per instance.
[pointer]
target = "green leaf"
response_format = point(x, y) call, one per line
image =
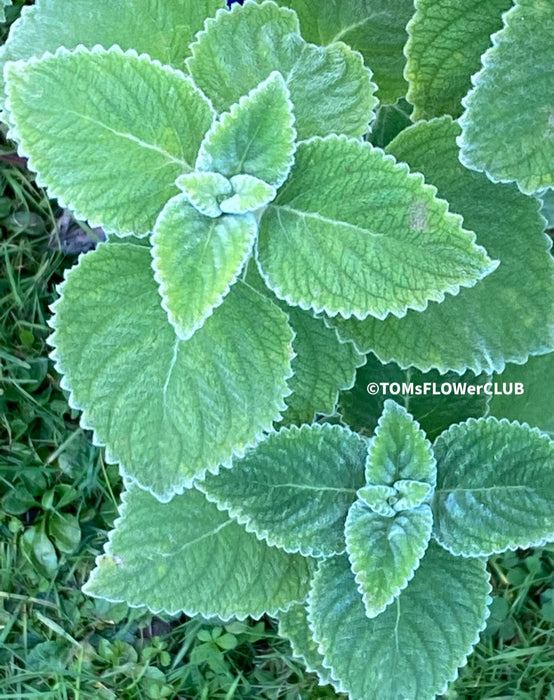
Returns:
point(507, 316)
point(322, 367)
point(187, 556)
point(293, 625)
point(355, 233)
point(508, 123)
point(205, 191)
point(435, 401)
point(82, 137)
point(384, 552)
point(390, 121)
point(250, 194)
point(330, 88)
point(438, 617)
point(495, 487)
point(161, 30)
point(3, 5)
point(168, 410)
point(534, 405)
point(446, 40)
point(399, 450)
point(255, 137)
point(64, 529)
point(295, 488)
point(389, 500)
point(196, 260)
point(375, 28)
point(40, 551)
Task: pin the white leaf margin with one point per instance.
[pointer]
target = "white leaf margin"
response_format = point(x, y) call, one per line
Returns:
point(163, 286)
point(110, 456)
point(221, 121)
point(362, 314)
point(397, 590)
point(512, 546)
point(462, 662)
point(261, 533)
point(13, 132)
point(297, 654)
point(487, 59)
point(107, 553)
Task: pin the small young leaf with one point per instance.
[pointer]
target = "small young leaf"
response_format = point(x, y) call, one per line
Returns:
point(399, 450)
point(446, 41)
point(330, 88)
point(355, 233)
point(250, 194)
point(196, 260)
point(293, 625)
point(534, 405)
point(438, 617)
point(495, 487)
point(360, 408)
point(205, 191)
point(256, 137)
point(507, 316)
point(187, 556)
point(168, 410)
point(81, 137)
point(384, 552)
point(375, 28)
point(161, 30)
point(508, 123)
point(295, 488)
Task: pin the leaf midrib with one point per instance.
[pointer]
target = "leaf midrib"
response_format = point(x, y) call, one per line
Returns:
point(325, 219)
point(134, 139)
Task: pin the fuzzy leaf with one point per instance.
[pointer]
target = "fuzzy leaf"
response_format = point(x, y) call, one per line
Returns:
point(438, 617)
point(355, 233)
point(3, 5)
point(508, 123)
point(495, 487)
point(196, 260)
point(161, 30)
point(111, 160)
point(187, 556)
point(295, 488)
point(322, 367)
point(330, 88)
point(293, 625)
point(250, 194)
point(375, 28)
point(256, 137)
point(399, 450)
point(446, 41)
point(507, 316)
point(384, 552)
point(205, 191)
point(534, 406)
point(361, 407)
point(168, 410)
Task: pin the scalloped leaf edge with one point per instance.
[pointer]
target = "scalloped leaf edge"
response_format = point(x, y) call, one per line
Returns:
point(359, 314)
point(263, 534)
point(13, 132)
point(110, 458)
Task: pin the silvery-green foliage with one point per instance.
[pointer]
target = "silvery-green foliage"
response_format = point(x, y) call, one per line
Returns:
point(261, 250)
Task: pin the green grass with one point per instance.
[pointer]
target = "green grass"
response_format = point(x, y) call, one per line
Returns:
point(58, 499)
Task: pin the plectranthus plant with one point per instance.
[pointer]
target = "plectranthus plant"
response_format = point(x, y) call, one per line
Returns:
point(304, 201)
